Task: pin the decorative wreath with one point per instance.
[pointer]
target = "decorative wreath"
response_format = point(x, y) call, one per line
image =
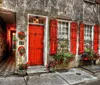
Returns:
point(21, 35)
point(21, 50)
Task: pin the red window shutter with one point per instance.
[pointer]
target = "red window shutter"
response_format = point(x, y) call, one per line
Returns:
point(96, 38)
point(73, 36)
point(81, 38)
point(53, 36)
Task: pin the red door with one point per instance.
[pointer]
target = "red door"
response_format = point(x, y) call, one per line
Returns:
point(36, 34)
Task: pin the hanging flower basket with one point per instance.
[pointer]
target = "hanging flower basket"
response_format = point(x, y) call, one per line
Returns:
point(21, 35)
point(21, 50)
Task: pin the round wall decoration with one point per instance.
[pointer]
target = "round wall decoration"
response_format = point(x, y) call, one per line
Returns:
point(21, 50)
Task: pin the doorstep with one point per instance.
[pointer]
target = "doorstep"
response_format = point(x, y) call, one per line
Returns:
point(36, 70)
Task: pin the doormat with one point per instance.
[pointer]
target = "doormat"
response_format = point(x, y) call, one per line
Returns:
point(92, 68)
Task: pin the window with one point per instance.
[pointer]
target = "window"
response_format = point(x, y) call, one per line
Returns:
point(36, 20)
point(63, 35)
point(88, 34)
point(62, 30)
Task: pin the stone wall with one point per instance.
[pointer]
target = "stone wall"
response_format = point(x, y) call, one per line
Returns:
point(90, 13)
point(67, 9)
point(51, 8)
point(10, 4)
point(75, 10)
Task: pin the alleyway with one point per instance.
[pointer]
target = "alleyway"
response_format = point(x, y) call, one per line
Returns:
point(7, 66)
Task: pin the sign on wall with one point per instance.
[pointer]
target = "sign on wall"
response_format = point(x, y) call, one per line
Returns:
point(21, 42)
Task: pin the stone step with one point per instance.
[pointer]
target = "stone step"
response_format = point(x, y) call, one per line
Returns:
point(36, 70)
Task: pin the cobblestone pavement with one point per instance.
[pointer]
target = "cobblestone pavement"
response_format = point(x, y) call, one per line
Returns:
point(92, 68)
point(74, 76)
point(7, 67)
point(12, 80)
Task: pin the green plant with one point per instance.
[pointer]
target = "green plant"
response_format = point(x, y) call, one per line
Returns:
point(63, 56)
point(91, 55)
point(21, 50)
point(87, 50)
point(58, 56)
point(51, 66)
point(14, 39)
point(62, 45)
point(68, 56)
point(23, 66)
point(21, 35)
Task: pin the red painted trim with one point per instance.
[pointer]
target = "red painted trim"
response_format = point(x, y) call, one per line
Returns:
point(53, 36)
point(96, 38)
point(81, 39)
point(73, 37)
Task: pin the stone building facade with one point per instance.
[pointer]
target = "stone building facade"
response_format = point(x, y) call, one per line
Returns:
point(70, 12)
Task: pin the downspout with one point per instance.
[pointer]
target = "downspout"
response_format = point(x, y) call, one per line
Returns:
point(77, 48)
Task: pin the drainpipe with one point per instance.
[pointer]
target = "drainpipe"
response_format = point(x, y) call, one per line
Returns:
point(77, 48)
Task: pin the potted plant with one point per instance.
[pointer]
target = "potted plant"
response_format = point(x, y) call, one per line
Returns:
point(22, 69)
point(63, 56)
point(21, 35)
point(90, 55)
point(59, 57)
point(69, 57)
point(51, 66)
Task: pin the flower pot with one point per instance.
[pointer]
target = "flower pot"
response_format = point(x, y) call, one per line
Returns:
point(22, 72)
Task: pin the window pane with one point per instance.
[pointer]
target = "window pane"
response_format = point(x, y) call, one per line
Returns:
point(62, 30)
point(87, 34)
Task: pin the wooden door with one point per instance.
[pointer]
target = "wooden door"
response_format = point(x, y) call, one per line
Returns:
point(36, 34)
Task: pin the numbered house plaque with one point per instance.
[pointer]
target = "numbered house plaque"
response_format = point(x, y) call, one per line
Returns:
point(21, 42)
